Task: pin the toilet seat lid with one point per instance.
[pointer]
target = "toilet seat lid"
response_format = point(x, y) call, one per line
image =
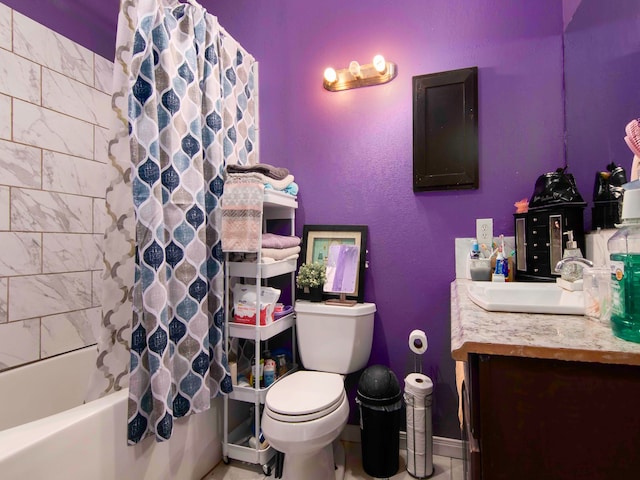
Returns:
point(305, 394)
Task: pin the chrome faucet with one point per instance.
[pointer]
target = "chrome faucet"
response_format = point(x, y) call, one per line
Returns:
point(568, 260)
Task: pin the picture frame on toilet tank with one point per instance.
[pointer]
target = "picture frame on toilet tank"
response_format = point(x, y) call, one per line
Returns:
point(316, 241)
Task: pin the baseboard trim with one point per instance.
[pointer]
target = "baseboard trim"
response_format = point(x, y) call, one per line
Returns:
point(442, 446)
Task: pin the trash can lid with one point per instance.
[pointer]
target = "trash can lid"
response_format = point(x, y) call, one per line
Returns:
point(378, 385)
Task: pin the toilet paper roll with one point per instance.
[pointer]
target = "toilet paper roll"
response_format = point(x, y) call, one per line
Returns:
point(417, 400)
point(418, 342)
point(417, 443)
point(417, 394)
point(417, 419)
point(419, 465)
point(418, 385)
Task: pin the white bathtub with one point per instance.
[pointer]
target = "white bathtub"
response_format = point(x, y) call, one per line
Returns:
point(67, 441)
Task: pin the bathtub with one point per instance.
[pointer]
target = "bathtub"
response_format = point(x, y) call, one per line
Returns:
point(46, 431)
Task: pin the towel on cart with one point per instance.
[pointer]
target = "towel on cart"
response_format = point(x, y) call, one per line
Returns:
point(242, 214)
point(279, 253)
point(279, 185)
point(277, 173)
point(272, 240)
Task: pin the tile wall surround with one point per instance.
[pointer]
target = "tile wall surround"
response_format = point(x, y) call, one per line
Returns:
point(55, 112)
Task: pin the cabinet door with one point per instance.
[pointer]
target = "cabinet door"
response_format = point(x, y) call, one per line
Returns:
point(558, 420)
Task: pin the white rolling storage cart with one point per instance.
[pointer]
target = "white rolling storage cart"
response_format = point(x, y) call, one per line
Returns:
point(235, 445)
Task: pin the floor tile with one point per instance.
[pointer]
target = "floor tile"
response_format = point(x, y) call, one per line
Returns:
point(457, 469)
point(236, 471)
point(445, 468)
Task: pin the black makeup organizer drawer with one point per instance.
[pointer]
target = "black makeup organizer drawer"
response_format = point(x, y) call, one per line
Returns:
point(541, 240)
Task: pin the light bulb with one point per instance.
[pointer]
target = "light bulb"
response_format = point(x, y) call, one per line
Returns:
point(330, 75)
point(379, 63)
point(354, 68)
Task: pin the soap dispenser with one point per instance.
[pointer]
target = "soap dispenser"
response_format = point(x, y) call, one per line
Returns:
point(571, 271)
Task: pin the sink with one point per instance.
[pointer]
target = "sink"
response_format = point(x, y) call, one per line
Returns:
point(526, 297)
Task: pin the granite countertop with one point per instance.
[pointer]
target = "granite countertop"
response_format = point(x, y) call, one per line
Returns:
point(560, 337)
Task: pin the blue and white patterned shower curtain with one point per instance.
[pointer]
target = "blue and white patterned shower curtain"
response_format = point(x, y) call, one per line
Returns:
point(191, 110)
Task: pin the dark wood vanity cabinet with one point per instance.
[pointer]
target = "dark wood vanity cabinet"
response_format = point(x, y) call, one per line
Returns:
point(533, 419)
point(541, 240)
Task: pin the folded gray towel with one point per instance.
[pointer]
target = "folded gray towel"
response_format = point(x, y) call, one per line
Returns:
point(277, 173)
point(271, 240)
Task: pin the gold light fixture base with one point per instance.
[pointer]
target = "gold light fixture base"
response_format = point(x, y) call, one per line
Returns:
point(369, 76)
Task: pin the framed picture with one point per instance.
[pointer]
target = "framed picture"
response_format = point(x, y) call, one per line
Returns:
point(317, 240)
point(445, 130)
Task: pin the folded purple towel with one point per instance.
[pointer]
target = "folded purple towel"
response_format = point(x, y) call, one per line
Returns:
point(285, 311)
point(277, 173)
point(271, 240)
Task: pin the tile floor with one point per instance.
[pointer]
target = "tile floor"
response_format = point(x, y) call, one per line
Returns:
point(445, 468)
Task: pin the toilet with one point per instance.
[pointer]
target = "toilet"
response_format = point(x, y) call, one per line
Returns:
point(307, 410)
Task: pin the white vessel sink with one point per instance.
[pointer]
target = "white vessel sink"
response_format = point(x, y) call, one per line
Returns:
point(527, 297)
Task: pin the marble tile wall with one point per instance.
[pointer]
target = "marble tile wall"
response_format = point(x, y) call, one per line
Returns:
point(55, 112)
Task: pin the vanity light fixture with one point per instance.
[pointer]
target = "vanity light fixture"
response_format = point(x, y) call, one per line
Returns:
point(376, 73)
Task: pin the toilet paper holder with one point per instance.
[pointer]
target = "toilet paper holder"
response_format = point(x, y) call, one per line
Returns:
point(418, 344)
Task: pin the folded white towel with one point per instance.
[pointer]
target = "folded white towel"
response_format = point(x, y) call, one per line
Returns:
point(273, 260)
point(279, 253)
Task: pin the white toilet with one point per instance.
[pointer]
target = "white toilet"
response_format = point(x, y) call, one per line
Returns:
point(306, 411)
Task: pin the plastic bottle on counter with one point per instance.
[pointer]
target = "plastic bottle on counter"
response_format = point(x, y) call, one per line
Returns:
point(624, 253)
point(571, 271)
point(475, 249)
point(501, 272)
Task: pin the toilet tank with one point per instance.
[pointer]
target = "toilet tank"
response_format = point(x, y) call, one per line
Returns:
point(334, 338)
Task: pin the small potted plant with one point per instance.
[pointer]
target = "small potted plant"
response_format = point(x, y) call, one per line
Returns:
point(311, 278)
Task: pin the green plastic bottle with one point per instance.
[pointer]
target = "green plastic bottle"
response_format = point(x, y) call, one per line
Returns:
point(624, 253)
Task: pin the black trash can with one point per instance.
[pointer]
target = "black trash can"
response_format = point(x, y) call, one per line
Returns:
point(380, 401)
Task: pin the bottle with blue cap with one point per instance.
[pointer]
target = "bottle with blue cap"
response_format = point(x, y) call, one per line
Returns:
point(501, 272)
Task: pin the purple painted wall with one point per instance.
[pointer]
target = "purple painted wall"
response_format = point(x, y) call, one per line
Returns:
point(602, 54)
point(569, 7)
point(351, 152)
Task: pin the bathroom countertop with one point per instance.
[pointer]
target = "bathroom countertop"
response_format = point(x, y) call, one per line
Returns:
point(559, 337)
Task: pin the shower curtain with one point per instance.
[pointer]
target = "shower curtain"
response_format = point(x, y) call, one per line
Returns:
point(185, 99)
